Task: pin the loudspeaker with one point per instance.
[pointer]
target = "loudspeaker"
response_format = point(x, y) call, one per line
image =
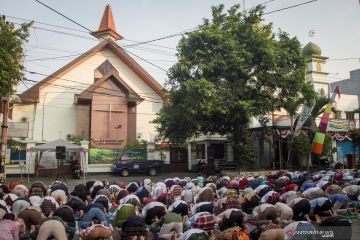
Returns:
point(60, 152)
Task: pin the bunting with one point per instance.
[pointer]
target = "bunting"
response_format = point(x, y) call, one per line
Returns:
point(318, 141)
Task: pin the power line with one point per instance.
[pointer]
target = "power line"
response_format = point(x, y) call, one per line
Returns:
point(78, 30)
point(130, 45)
point(293, 6)
point(96, 104)
point(162, 38)
point(75, 35)
point(79, 89)
point(73, 81)
point(79, 54)
point(52, 9)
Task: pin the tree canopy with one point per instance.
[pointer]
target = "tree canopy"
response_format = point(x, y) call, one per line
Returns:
point(231, 68)
point(11, 55)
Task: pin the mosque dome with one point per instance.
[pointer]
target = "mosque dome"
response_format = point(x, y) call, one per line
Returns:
point(311, 49)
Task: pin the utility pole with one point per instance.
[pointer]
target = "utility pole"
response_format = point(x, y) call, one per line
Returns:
point(4, 136)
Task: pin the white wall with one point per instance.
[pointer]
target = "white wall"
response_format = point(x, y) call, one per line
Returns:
point(346, 103)
point(25, 111)
point(60, 112)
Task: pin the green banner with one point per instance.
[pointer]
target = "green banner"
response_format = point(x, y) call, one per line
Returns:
point(340, 125)
point(108, 156)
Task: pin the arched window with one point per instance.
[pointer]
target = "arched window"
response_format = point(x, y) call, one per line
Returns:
point(318, 67)
point(321, 92)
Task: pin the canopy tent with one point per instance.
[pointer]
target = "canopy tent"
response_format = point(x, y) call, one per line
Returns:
point(51, 147)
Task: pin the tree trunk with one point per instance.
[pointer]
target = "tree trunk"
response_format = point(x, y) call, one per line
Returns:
point(237, 142)
point(291, 141)
point(239, 139)
point(261, 147)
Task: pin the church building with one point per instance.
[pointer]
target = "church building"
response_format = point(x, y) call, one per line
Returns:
point(103, 96)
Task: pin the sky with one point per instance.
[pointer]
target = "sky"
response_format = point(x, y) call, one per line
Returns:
point(334, 25)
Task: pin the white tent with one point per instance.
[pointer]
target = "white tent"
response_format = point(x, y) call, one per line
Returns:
point(51, 147)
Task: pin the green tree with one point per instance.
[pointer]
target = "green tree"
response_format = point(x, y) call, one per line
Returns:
point(319, 108)
point(138, 143)
point(11, 55)
point(292, 107)
point(303, 147)
point(233, 67)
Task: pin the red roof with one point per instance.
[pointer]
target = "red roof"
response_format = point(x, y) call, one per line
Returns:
point(107, 21)
point(107, 25)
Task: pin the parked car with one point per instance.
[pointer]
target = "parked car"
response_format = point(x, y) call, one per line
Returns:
point(127, 162)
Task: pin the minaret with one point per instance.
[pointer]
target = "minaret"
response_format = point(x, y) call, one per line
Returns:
point(315, 73)
point(107, 28)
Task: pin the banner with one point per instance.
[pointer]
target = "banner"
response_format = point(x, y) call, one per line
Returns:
point(306, 111)
point(340, 125)
point(108, 156)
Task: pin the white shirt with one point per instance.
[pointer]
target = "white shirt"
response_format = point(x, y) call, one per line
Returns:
point(259, 209)
point(189, 232)
point(294, 201)
point(282, 208)
point(259, 188)
point(321, 183)
point(196, 206)
point(288, 196)
point(265, 198)
point(227, 213)
point(307, 192)
point(151, 205)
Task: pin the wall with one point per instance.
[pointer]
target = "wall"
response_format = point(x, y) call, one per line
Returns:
point(346, 103)
point(83, 121)
point(60, 115)
point(25, 111)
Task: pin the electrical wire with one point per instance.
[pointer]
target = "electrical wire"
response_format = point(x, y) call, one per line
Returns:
point(73, 81)
point(78, 30)
point(293, 6)
point(80, 89)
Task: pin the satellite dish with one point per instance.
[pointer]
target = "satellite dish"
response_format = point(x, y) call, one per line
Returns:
point(311, 33)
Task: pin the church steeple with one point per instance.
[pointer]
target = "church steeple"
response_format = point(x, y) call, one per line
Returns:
point(107, 28)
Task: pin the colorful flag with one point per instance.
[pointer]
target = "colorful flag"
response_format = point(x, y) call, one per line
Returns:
point(319, 138)
point(318, 143)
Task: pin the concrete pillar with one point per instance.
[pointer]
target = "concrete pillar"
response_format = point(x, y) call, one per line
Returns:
point(150, 150)
point(30, 160)
point(189, 156)
point(206, 152)
point(85, 163)
point(230, 156)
